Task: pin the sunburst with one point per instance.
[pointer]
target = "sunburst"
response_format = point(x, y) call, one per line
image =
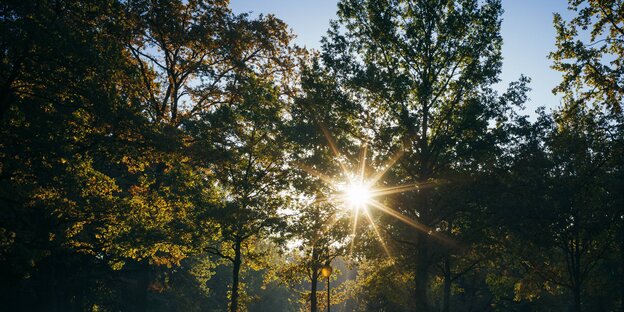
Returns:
point(359, 192)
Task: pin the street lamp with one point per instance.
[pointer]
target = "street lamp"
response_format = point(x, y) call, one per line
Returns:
point(326, 271)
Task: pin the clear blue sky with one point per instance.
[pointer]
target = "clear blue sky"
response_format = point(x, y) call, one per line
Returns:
point(527, 32)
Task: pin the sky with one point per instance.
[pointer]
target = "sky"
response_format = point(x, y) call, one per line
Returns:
point(527, 30)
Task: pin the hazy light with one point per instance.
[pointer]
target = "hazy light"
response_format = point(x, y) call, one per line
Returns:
point(357, 194)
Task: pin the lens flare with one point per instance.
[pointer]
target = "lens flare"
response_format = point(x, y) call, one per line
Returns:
point(360, 192)
point(357, 194)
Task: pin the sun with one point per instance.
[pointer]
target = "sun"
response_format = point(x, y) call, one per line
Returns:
point(360, 193)
point(357, 194)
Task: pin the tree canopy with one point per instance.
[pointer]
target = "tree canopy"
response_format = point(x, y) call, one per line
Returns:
point(177, 156)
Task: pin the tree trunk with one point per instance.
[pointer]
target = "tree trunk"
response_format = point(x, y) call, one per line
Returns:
point(422, 275)
point(448, 279)
point(577, 299)
point(447, 285)
point(314, 281)
point(313, 298)
point(576, 267)
point(422, 251)
point(143, 282)
point(235, 273)
point(622, 268)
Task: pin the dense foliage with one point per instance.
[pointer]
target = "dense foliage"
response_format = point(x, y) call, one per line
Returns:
point(175, 156)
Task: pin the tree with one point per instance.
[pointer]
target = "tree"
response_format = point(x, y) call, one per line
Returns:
point(62, 103)
point(589, 52)
point(319, 127)
point(422, 71)
point(107, 176)
point(569, 217)
point(221, 78)
point(582, 148)
point(371, 291)
point(253, 173)
point(189, 53)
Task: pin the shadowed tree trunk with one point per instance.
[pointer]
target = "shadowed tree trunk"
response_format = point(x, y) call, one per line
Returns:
point(422, 275)
point(235, 274)
point(314, 281)
point(142, 286)
point(448, 278)
point(447, 285)
point(422, 257)
point(313, 298)
point(622, 269)
point(574, 264)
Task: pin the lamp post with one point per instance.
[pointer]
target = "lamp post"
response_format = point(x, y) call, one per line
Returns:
point(326, 271)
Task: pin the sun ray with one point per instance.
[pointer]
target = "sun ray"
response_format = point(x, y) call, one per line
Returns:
point(355, 221)
point(356, 191)
point(393, 159)
point(411, 222)
point(401, 188)
point(395, 189)
point(344, 197)
point(334, 148)
point(333, 219)
point(362, 163)
point(322, 200)
point(381, 241)
point(313, 172)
